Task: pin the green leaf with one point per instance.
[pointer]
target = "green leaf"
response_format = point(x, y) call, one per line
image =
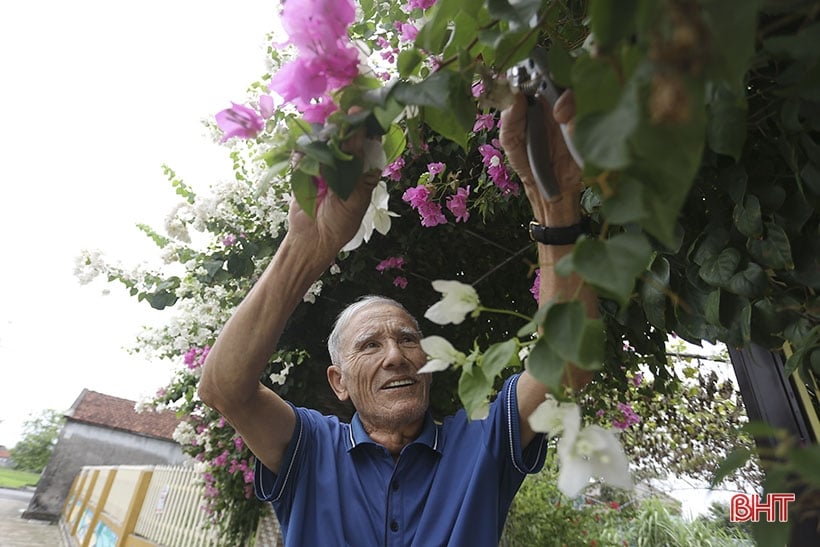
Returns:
point(666, 158)
point(435, 34)
point(161, 299)
point(546, 365)
point(804, 462)
point(747, 216)
point(432, 91)
point(752, 281)
point(445, 123)
point(240, 265)
point(342, 176)
point(801, 45)
point(611, 22)
point(726, 128)
point(589, 77)
point(560, 65)
point(603, 138)
point(474, 390)
point(572, 336)
point(394, 143)
point(523, 13)
point(304, 190)
point(626, 204)
point(717, 271)
point(498, 357)
point(653, 292)
point(611, 266)
point(736, 459)
point(733, 26)
point(563, 328)
point(408, 61)
point(773, 250)
point(319, 151)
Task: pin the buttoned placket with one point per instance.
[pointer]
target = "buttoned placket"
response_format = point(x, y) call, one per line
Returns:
point(394, 509)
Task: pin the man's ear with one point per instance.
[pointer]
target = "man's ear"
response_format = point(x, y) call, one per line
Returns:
point(334, 378)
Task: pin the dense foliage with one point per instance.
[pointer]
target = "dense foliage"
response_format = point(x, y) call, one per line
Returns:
point(40, 434)
point(697, 122)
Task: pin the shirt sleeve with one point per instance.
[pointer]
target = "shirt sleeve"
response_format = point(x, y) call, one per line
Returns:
point(267, 485)
point(524, 460)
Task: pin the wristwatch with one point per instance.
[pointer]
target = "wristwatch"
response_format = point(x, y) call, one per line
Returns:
point(564, 235)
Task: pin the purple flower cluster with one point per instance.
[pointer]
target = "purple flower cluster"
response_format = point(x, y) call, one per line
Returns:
point(420, 199)
point(494, 162)
point(535, 290)
point(326, 61)
point(629, 416)
point(393, 263)
point(195, 357)
point(420, 4)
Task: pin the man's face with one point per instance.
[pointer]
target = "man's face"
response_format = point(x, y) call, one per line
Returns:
point(380, 354)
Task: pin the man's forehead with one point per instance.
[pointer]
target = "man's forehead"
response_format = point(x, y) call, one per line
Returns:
point(379, 318)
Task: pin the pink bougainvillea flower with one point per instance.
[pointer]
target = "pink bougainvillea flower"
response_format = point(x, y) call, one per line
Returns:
point(484, 121)
point(393, 170)
point(457, 204)
point(630, 417)
point(266, 107)
point(299, 79)
point(477, 89)
point(393, 262)
point(400, 281)
point(417, 196)
point(494, 162)
point(229, 240)
point(535, 290)
point(317, 110)
point(316, 25)
point(420, 199)
point(239, 121)
point(408, 31)
point(431, 215)
point(420, 4)
point(435, 168)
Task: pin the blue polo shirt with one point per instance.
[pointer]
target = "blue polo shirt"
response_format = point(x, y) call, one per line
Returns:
point(452, 486)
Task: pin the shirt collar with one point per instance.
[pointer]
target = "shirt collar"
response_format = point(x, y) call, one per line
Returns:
point(430, 434)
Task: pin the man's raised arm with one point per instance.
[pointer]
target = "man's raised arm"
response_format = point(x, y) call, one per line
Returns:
point(230, 378)
point(562, 211)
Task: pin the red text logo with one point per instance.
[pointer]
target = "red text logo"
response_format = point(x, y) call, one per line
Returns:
point(748, 507)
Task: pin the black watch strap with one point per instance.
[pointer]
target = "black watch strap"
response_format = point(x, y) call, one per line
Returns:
point(564, 235)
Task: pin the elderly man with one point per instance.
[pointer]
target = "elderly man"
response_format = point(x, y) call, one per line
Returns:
point(392, 476)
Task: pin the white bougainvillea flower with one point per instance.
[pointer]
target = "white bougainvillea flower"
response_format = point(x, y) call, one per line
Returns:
point(377, 217)
point(549, 417)
point(593, 452)
point(459, 300)
point(441, 354)
point(374, 157)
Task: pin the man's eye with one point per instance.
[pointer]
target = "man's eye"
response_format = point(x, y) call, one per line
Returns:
point(371, 345)
point(410, 340)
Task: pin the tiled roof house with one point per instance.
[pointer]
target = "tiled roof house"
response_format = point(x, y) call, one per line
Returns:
point(103, 430)
point(115, 413)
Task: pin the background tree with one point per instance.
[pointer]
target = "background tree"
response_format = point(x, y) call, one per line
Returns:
point(40, 434)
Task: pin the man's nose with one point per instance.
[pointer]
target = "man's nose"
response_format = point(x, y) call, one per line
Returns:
point(394, 355)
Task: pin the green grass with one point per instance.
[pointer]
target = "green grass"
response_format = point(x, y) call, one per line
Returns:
point(11, 478)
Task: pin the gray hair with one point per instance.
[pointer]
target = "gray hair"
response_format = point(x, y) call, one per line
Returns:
point(334, 341)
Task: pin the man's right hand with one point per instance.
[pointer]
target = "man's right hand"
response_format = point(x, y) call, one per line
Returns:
point(336, 220)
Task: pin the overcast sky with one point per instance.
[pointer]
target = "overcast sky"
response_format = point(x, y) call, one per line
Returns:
point(96, 96)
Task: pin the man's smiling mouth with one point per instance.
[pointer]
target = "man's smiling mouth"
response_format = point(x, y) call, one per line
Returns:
point(399, 383)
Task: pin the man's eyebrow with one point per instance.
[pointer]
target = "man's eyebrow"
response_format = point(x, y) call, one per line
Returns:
point(364, 337)
point(410, 331)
